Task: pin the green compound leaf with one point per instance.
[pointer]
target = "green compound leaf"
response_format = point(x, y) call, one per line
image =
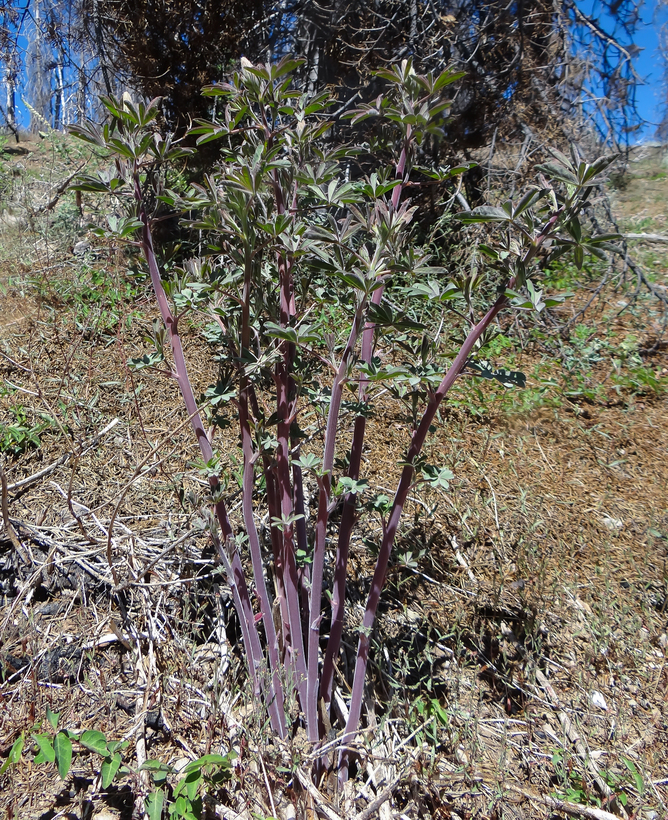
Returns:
point(147, 360)
point(437, 477)
point(508, 378)
point(484, 213)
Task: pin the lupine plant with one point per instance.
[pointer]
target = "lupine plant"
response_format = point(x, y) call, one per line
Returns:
point(308, 257)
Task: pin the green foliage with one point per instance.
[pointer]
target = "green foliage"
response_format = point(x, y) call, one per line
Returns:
point(587, 352)
point(100, 299)
point(182, 800)
point(14, 756)
point(237, 210)
point(432, 718)
point(22, 434)
point(285, 233)
point(573, 787)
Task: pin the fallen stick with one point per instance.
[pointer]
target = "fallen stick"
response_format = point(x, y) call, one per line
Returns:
point(60, 190)
point(462, 561)
point(9, 529)
point(648, 237)
point(62, 460)
point(572, 734)
point(575, 809)
point(383, 797)
point(319, 799)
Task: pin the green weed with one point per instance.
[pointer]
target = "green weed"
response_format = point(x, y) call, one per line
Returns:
point(100, 300)
point(182, 799)
point(573, 787)
point(21, 434)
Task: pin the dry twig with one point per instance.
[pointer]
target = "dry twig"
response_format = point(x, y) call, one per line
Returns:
point(9, 529)
point(574, 809)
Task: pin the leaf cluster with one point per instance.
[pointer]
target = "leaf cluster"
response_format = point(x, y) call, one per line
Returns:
point(183, 800)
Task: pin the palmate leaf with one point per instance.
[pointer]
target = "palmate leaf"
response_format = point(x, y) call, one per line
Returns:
point(220, 393)
point(288, 334)
point(556, 171)
point(432, 290)
point(529, 199)
point(307, 462)
point(442, 174)
point(147, 360)
point(352, 279)
point(436, 477)
point(508, 378)
point(447, 77)
point(484, 213)
point(88, 133)
point(383, 315)
point(598, 166)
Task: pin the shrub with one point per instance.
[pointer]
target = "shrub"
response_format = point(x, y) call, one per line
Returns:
point(305, 268)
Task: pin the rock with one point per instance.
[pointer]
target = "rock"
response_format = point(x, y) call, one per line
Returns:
point(81, 247)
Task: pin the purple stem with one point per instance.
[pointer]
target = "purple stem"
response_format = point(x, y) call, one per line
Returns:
point(248, 482)
point(284, 384)
point(315, 615)
point(403, 488)
point(303, 573)
point(324, 487)
point(285, 389)
point(273, 508)
point(346, 526)
point(256, 559)
point(390, 531)
point(290, 579)
point(237, 579)
point(350, 500)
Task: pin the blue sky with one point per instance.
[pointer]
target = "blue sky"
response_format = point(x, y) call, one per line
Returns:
point(649, 67)
point(650, 95)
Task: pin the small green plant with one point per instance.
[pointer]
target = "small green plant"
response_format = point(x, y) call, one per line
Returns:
point(635, 775)
point(57, 747)
point(20, 435)
point(204, 775)
point(573, 787)
point(100, 299)
point(433, 715)
point(181, 800)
